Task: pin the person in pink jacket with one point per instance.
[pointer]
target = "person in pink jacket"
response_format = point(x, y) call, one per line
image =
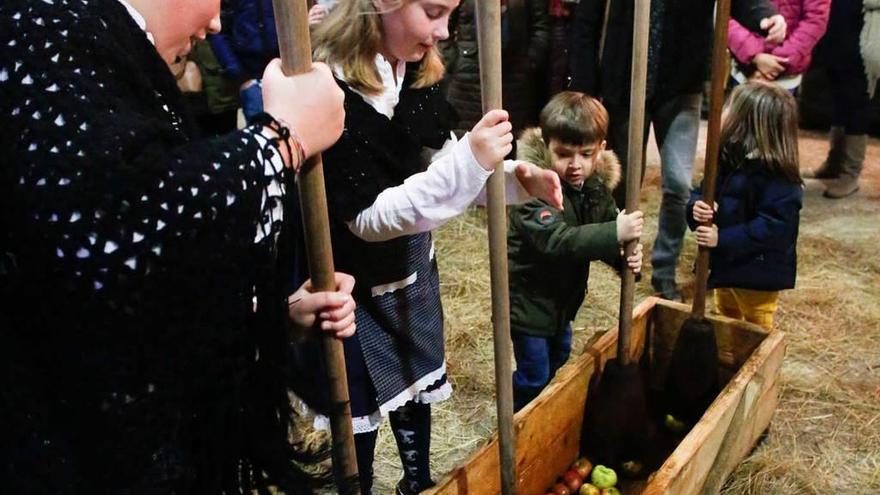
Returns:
point(756, 58)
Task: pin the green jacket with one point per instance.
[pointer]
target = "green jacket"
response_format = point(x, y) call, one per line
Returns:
point(549, 251)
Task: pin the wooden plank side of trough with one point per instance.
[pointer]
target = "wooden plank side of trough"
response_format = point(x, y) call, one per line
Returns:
point(744, 408)
point(548, 429)
point(753, 415)
point(546, 435)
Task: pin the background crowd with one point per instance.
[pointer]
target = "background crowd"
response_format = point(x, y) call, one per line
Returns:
point(585, 45)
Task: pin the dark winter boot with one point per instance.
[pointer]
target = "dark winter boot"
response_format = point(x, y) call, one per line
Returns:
point(830, 168)
point(853, 160)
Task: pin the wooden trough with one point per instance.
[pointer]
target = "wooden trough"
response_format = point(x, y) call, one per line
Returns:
point(548, 430)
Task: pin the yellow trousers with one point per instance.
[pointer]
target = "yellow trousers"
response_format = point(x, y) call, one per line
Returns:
point(754, 306)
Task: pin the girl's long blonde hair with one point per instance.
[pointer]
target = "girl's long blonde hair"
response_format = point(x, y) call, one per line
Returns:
point(762, 119)
point(351, 36)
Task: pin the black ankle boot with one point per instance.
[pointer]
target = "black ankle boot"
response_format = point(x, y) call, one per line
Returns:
point(404, 488)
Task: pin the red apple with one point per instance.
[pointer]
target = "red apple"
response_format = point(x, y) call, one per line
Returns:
point(583, 466)
point(572, 480)
point(560, 489)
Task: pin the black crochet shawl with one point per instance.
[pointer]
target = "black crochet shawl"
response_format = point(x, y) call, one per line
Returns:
point(131, 358)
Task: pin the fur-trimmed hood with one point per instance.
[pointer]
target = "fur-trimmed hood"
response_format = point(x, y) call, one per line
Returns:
point(531, 148)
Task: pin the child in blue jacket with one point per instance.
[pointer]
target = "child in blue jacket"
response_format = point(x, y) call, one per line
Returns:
point(759, 194)
point(549, 250)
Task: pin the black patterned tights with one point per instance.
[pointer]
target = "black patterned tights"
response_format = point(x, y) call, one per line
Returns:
point(411, 425)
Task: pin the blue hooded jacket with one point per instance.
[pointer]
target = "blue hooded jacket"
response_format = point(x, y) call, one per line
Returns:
point(757, 218)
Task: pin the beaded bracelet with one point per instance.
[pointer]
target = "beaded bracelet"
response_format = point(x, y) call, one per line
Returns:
point(286, 134)
point(297, 143)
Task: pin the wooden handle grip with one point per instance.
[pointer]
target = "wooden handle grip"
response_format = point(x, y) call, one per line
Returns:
point(489, 41)
point(294, 43)
point(635, 158)
point(713, 146)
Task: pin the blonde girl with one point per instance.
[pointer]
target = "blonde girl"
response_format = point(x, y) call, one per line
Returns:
point(395, 174)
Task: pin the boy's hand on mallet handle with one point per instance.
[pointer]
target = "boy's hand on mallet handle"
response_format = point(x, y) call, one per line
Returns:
point(629, 225)
point(540, 183)
point(634, 262)
point(335, 310)
point(491, 139)
point(707, 236)
point(702, 212)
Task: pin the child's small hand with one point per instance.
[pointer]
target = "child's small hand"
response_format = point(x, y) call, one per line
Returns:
point(491, 139)
point(634, 262)
point(702, 212)
point(707, 236)
point(629, 226)
point(317, 14)
point(776, 28)
point(540, 183)
point(333, 310)
point(770, 66)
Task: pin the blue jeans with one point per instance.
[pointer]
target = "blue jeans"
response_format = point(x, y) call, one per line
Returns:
point(537, 359)
point(252, 100)
point(676, 127)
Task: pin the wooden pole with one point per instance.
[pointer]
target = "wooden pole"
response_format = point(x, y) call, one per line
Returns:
point(713, 145)
point(489, 42)
point(635, 155)
point(294, 43)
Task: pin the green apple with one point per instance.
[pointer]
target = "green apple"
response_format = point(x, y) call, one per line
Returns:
point(610, 491)
point(673, 424)
point(603, 477)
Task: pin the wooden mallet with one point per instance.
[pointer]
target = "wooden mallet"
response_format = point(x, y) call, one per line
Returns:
point(489, 42)
point(294, 43)
point(693, 367)
point(617, 423)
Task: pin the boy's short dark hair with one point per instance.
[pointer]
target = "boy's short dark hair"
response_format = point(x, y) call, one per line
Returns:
point(574, 118)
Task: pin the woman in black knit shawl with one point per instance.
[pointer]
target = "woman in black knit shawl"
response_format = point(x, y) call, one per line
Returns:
point(143, 304)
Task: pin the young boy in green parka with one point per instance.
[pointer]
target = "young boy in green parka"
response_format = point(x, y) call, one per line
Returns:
point(550, 250)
